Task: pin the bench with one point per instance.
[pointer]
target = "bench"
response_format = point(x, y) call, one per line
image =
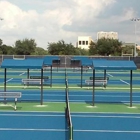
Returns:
point(101, 83)
point(79, 68)
point(39, 77)
point(99, 78)
point(32, 82)
point(14, 95)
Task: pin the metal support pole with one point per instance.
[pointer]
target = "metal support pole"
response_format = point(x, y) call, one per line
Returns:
point(5, 70)
point(81, 76)
point(28, 75)
point(51, 77)
point(93, 93)
point(135, 20)
point(131, 88)
point(41, 101)
point(15, 104)
point(105, 78)
point(135, 50)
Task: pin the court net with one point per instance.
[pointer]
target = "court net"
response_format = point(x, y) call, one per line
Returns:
point(68, 115)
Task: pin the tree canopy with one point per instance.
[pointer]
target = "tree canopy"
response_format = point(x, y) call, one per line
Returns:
point(106, 47)
point(103, 47)
point(25, 46)
point(62, 48)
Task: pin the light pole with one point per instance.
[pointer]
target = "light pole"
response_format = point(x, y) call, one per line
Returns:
point(135, 20)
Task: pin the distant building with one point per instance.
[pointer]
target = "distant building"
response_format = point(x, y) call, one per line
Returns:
point(84, 42)
point(128, 44)
point(110, 35)
point(138, 47)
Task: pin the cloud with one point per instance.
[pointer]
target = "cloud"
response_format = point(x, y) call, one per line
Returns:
point(53, 20)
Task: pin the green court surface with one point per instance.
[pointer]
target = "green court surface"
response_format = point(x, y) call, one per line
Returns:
point(74, 107)
point(35, 106)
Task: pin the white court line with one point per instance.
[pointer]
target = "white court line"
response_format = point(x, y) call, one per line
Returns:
point(31, 115)
point(124, 82)
point(129, 101)
point(9, 80)
point(110, 75)
point(104, 116)
point(30, 129)
point(107, 131)
point(115, 113)
point(112, 96)
point(22, 73)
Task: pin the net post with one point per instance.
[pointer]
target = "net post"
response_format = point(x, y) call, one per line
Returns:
point(71, 133)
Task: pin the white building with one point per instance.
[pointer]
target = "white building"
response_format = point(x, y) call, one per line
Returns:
point(84, 42)
point(110, 35)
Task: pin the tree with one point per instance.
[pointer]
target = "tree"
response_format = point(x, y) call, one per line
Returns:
point(40, 51)
point(79, 51)
point(4, 49)
point(25, 46)
point(92, 49)
point(1, 42)
point(8, 50)
point(128, 49)
point(109, 47)
point(61, 48)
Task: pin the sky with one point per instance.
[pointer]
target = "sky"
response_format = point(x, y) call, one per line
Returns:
point(49, 21)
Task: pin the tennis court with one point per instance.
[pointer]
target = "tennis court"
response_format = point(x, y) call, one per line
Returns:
point(111, 117)
point(104, 126)
point(32, 125)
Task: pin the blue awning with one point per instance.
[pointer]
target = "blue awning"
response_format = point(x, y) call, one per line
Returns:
point(86, 61)
point(22, 64)
point(48, 60)
point(114, 65)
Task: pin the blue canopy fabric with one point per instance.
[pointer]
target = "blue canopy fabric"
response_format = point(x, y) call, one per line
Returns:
point(85, 61)
point(48, 60)
point(113, 65)
point(23, 64)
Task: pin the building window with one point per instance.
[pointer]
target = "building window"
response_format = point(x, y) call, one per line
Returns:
point(79, 42)
point(86, 42)
point(83, 42)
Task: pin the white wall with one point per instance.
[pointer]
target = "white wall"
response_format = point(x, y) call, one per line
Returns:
point(84, 42)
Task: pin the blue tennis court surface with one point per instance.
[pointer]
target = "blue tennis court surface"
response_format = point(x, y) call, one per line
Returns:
point(52, 125)
point(102, 126)
point(32, 126)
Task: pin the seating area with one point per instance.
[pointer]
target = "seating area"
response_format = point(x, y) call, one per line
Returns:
point(31, 82)
point(6, 95)
point(39, 77)
point(98, 82)
point(99, 78)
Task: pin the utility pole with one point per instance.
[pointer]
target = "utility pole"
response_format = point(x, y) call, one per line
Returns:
point(135, 20)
